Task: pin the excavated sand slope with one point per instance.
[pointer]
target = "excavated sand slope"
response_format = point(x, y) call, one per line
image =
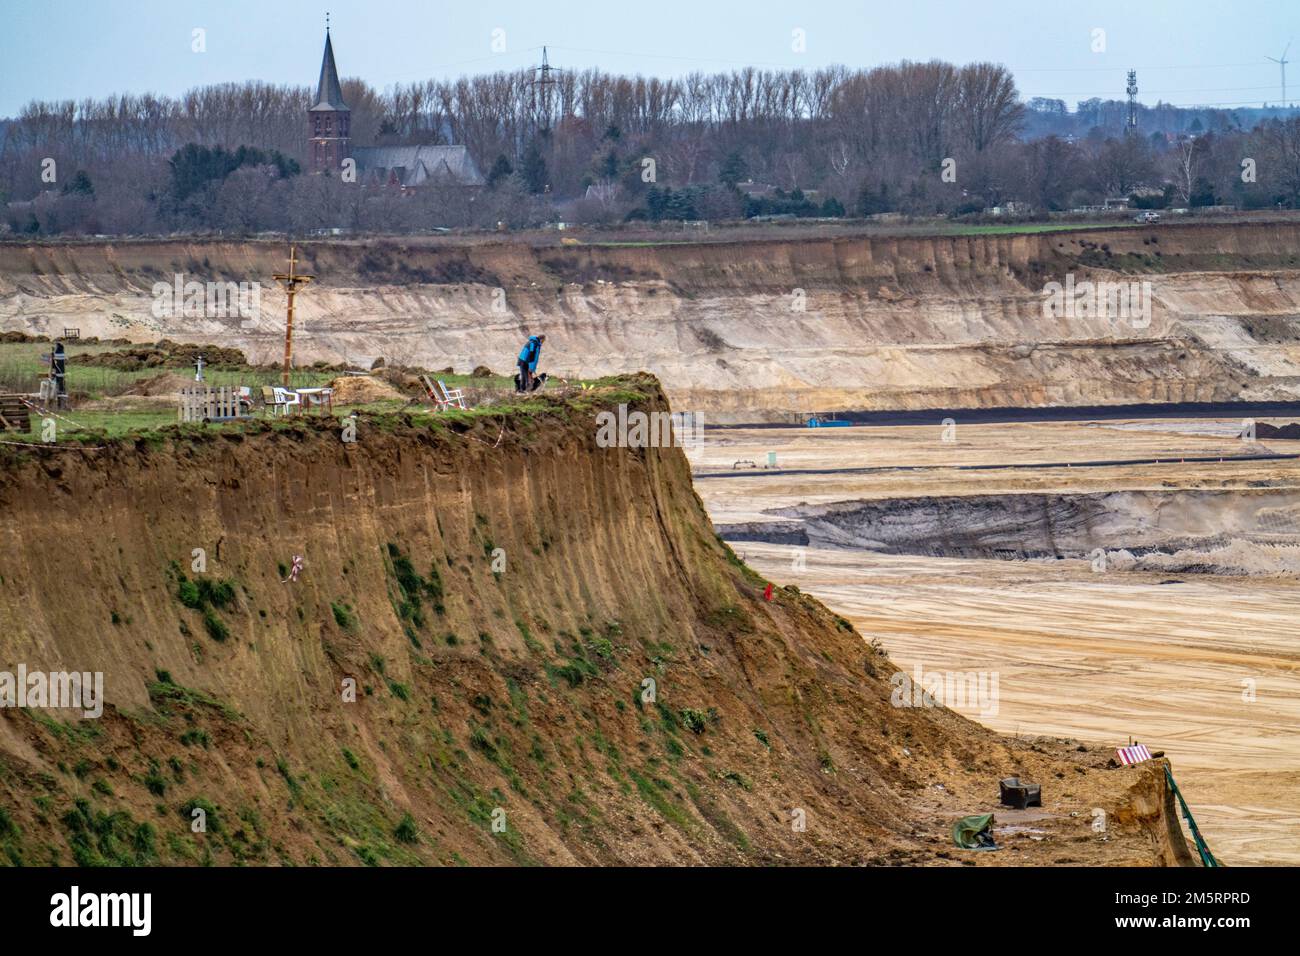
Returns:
point(743, 331)
point(508, 693)
point(1183, 636)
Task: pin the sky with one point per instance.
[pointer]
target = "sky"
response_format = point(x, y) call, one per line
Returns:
point(1187, 52)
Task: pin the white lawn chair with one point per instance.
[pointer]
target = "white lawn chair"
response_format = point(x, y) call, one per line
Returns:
point(286, 399)
point(450, 396)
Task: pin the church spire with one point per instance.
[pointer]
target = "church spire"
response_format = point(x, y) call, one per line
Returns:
point(329, 94)
point(329, 122)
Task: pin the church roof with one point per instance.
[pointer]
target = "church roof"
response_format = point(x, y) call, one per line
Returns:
point(329, 94)
point(419, 165)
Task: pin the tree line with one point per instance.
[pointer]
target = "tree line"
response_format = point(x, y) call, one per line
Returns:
point(911, 138)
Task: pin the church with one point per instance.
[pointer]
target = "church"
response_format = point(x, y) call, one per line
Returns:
point(403, 167)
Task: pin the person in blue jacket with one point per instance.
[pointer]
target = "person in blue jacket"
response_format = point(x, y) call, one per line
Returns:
point(528, 357)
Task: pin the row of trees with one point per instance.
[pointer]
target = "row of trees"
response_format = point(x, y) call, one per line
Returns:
point(918, 138)
point(1250, 169)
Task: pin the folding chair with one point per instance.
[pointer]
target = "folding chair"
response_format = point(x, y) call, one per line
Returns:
point(451, 396)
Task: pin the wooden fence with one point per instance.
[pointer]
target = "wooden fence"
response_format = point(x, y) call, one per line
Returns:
point(14, 414)
point(199, 403)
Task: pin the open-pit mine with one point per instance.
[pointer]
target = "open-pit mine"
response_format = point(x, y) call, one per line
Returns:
point(1088, 515)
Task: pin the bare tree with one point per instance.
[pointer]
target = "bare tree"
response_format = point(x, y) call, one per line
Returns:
point(989, 109)
point(1187, 165)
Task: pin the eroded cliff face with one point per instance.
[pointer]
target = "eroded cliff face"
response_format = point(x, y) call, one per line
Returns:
point(544, 635)
point(746, 331)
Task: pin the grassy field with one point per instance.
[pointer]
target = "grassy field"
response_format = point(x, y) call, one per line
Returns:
point(1024, 228)
point(22, 368)
point(103, 407)
point(88, 427)
point(796, 229)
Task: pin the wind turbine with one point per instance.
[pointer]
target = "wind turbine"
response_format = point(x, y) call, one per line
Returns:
point(1282, 63)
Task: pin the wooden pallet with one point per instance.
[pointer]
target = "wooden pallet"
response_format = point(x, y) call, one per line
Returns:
point(198, 403)
point(14, 415)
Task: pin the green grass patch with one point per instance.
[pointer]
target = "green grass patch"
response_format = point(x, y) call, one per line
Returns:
point(165, 695)
point(196, 736)
point(406, 831)
point(656, 792)
point(113, 839)
point(696, 721)
point(215, 626)
point(574, 673)
point(736, 777)
point(413, 591)
point(344, 616)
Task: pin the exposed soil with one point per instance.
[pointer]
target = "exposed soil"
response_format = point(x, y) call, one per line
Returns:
point(1153, 602)
point(360, 389)
point(162, 354)
point(744, 331)
point(512, 687)
point(163, 384)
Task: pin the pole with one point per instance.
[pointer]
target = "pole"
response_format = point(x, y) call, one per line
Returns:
point(291, 280)
point(288, 337)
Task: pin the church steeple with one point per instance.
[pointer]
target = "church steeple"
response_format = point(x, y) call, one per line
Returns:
point(329, 94)
point(329, 120)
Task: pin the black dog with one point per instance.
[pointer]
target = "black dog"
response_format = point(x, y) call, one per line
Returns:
point(538, 382)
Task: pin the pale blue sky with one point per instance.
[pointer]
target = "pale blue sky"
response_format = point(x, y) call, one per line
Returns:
point(1186, 51)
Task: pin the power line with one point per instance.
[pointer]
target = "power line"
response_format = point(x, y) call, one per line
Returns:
point(787, 66)
point(1199, 106)
point(1111, 69)
point(1046, 69)
point(483, 59)
point(1203, 89)
point(672, 56)
point(1014, 70)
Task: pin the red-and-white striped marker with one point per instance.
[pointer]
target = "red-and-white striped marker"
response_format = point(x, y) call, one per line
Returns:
point(1132, 755)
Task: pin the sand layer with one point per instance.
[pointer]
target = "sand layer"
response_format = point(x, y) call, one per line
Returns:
point(748, 331)
point(1204, 666)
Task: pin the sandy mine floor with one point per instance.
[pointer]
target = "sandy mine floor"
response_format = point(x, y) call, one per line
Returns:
point(1169, 659)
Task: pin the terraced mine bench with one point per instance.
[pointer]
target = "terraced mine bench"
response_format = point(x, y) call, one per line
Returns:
point(14, 413)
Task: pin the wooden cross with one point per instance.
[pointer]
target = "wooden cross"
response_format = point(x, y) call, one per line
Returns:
point(290, 280)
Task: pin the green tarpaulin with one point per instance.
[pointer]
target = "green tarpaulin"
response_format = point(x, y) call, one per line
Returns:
point(974, 832)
